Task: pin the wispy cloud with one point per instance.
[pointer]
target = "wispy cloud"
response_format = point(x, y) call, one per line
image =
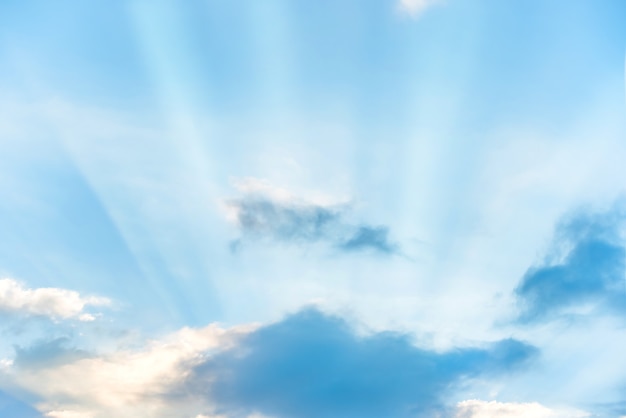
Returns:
point(47, 301)
point(311, 364)
point(370, 237)
point(583, 273)
point(265, 212)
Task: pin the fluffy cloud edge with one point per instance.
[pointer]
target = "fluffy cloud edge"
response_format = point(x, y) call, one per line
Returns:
point(125, 382)
point(474, 408)
point(52, 302)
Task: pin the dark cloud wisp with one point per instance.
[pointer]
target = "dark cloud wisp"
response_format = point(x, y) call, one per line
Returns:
point(368, 237)
point(261, 216)
point(47, 353)
point(314, 365)
point(585, 271)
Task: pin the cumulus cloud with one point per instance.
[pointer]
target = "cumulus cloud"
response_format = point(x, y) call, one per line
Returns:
point(309, 364)
point(314, 365)
point(47, 353)
point(492, 409)
point(265, 212)
point(416, 7)
point(128, 382)
point(583, 273)
point(48, 301)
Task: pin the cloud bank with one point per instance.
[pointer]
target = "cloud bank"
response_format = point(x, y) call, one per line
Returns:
point(50, 302)
point(309, 364)
point(264, 212)
point(127, 382)
point(583, 273)
point(315, 365)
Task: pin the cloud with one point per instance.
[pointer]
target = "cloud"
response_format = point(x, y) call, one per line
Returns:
point(314, 365)
point(370, 237)
point(309, 364)
point(127, 382)
point(265, 212)
point(583, 273)
point(492, 409)
point(416, 7)
point(48, 301)
point(66, 414)
point(47, 354)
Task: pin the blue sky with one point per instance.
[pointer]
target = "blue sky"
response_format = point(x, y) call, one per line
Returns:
point(396, 208)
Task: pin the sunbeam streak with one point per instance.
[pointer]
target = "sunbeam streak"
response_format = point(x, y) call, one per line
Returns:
point(304, 209)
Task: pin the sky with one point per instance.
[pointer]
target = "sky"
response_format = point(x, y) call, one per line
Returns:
point(296, 209)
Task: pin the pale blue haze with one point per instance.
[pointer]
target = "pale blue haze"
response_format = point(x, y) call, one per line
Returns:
point(401, 193)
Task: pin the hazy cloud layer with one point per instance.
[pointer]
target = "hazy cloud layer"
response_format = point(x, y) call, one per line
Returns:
point(315, 365)
point(48, 353)
point(264, 212)
point(583, 273)
point(50, 302)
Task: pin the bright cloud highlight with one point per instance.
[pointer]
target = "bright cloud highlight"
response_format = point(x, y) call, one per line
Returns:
point(128, 382)
point(493, 409)
point(46, 301)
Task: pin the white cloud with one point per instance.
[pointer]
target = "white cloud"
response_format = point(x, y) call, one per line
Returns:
point(492, 409)
point(416, 7)
point(139, 382)
point(261, 187)
point(255, 188)
point(67, 414)
point(46, 301)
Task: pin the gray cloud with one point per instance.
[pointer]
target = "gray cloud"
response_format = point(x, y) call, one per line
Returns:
point(261, 217)
point(584, 271)
point(314, 365)
point(261, 214)
point(48, 353)
point(369, 237)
